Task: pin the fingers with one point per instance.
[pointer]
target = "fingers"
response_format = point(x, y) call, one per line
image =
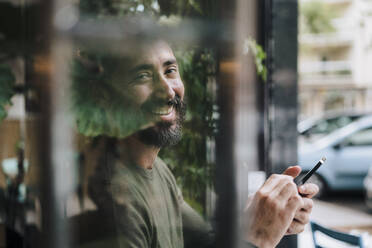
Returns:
point(279, 198)
point(303, 214)
point(272, 211)
point(308, 190)
point(288, 190)
point(298, 224)
point(308, 205)
point(301, 218)
point(296, 202)
point(295, 228)
point(279, 187)
point(274, 180)
point(292, 171)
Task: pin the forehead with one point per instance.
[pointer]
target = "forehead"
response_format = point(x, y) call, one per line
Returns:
point(154, 53)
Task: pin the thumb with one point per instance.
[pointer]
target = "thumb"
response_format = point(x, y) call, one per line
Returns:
point(292, 171)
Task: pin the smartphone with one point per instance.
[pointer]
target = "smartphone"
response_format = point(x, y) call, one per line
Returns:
point(301, 180)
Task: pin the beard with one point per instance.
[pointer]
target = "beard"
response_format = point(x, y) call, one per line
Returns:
point(165, 134)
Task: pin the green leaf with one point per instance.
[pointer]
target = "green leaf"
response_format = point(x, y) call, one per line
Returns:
point(251, 46)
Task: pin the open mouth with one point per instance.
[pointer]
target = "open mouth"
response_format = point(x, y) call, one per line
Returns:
point(165, 110)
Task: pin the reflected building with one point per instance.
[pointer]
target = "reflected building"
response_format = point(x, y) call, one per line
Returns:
point(335, 59)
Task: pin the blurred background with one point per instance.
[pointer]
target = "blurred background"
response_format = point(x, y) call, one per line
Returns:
point(334, 110)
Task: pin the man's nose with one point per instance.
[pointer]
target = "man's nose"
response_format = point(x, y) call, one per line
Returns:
point(163, 87)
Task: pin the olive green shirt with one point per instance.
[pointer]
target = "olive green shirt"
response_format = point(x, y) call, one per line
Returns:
point(145, 209)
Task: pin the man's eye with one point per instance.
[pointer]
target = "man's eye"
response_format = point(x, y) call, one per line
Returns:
point(142, 76)
point(171, 70)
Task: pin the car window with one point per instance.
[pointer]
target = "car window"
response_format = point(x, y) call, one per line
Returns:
point(330, 125)
point(360, 138)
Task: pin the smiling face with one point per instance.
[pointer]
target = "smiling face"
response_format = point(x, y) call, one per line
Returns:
point(155, 88)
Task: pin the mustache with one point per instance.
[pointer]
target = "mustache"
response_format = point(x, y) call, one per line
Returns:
point(176, 102)
point(181, 107)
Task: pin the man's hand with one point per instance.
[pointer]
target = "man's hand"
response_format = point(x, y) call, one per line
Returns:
point(302, 215)
point(277, 209)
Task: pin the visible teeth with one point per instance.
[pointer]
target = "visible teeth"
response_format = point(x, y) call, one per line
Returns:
point(163, 110)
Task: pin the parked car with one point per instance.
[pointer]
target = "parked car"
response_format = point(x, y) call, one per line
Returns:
point(316, 127)
point(348, 151)
point(368, 188)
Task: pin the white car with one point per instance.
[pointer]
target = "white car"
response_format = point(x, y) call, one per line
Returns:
point(348, 151)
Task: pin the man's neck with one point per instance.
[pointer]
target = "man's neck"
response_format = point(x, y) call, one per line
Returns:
point(135, 151)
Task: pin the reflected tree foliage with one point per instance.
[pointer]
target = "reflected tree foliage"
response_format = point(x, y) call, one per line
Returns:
point(315, 17)
point(183, 8)
point(100, 107)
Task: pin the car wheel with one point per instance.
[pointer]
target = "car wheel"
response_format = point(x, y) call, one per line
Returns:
point(318, 180)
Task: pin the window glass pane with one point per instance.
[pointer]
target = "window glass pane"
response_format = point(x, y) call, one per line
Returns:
point(131, 123)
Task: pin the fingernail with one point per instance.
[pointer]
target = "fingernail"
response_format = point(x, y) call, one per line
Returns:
point(303, 187)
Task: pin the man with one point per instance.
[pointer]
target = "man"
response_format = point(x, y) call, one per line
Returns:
point(134, 189)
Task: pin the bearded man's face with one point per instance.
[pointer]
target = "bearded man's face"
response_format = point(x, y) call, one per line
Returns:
point(155, 87)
